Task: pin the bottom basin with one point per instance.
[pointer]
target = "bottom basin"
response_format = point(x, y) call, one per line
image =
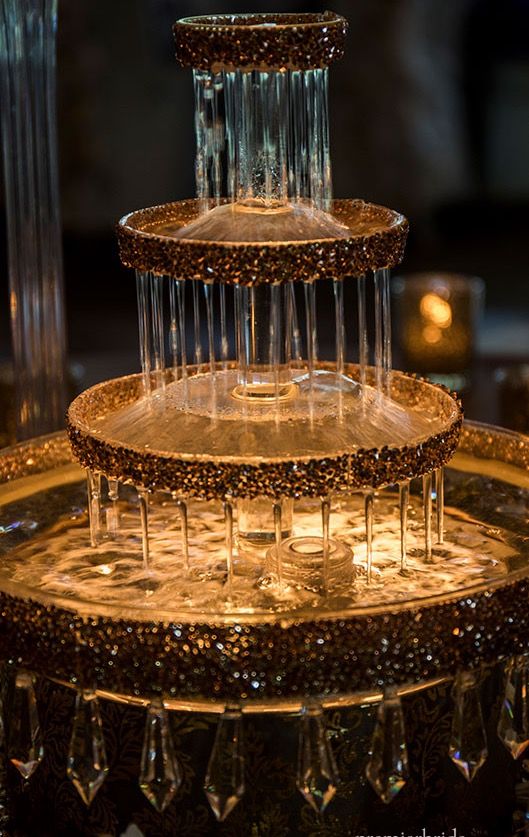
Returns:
point(73, 611)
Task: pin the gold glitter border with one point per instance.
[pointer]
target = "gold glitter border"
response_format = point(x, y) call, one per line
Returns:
point(144, 246)
point(43, 453)
point(284, 658)
point(209, 478)
point(244, 41)
point(482, 440)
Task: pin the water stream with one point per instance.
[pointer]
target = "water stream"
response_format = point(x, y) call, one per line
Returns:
point(263, 141)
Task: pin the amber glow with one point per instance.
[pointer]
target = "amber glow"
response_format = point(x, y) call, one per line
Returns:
point(432, 335)
point(437, 311)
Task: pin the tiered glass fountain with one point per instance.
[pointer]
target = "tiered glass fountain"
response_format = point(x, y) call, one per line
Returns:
point(266, 503)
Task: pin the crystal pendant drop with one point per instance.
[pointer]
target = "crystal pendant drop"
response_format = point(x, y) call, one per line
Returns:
point(468, 740)
point(87, 761)
point(513, 724)
point(387, 768)
point(317, 774)
point(224, 783)
point(25, 749)
point(160, 775)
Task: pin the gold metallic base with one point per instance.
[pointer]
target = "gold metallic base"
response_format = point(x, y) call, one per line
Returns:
point(271, 707)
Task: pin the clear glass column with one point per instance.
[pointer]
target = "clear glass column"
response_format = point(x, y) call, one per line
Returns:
point(27, 77)
point(263, 141)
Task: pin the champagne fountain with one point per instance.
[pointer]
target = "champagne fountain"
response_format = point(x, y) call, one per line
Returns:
point(238, 409)
point(266, 499)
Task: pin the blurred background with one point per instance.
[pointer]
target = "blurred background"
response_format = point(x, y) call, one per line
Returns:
point(429, 115)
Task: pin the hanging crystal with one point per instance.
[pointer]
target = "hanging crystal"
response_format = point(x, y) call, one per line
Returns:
point(24, 748)
point(317, 773)
point(520, 817)
point(87, 761)
point(161, 774)
point(387, 768)
point(224, 783)
point(468, 740)
point(513, 724)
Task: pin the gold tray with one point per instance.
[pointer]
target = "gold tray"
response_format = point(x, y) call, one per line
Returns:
point(264, 657)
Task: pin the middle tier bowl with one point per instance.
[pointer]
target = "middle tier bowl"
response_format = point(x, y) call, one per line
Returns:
point(326, 434)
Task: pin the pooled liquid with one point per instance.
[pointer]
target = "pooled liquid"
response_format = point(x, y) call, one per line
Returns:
point(325, 417)
point(45, 546)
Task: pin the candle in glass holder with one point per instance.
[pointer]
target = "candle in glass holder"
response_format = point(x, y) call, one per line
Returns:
point(437, 316)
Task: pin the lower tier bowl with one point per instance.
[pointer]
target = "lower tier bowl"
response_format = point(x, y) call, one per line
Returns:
point(193, 437)
point(86, 614)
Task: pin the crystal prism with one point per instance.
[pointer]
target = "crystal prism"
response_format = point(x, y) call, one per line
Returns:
point(224, 783)
point(513, 724)
point(468, 740)
point(317, 774)
point(387, 768)
point(160, 775)
point(25, 749)
point(87, 761)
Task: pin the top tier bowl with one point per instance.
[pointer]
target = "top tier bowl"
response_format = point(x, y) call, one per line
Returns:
point(260, 41)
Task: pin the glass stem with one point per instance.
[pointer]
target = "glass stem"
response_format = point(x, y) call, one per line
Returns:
point(27, 78)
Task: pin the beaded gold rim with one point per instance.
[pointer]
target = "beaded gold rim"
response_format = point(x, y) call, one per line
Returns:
point(211, 477)
point(260, 41)
point(146, 243)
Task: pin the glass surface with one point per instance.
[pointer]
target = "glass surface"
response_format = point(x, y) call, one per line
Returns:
point(201, 417)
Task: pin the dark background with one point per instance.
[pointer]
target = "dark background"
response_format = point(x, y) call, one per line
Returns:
point(429, 115)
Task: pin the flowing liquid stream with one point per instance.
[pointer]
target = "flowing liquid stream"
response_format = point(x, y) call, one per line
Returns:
point(197, 415)
point(243, 123)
